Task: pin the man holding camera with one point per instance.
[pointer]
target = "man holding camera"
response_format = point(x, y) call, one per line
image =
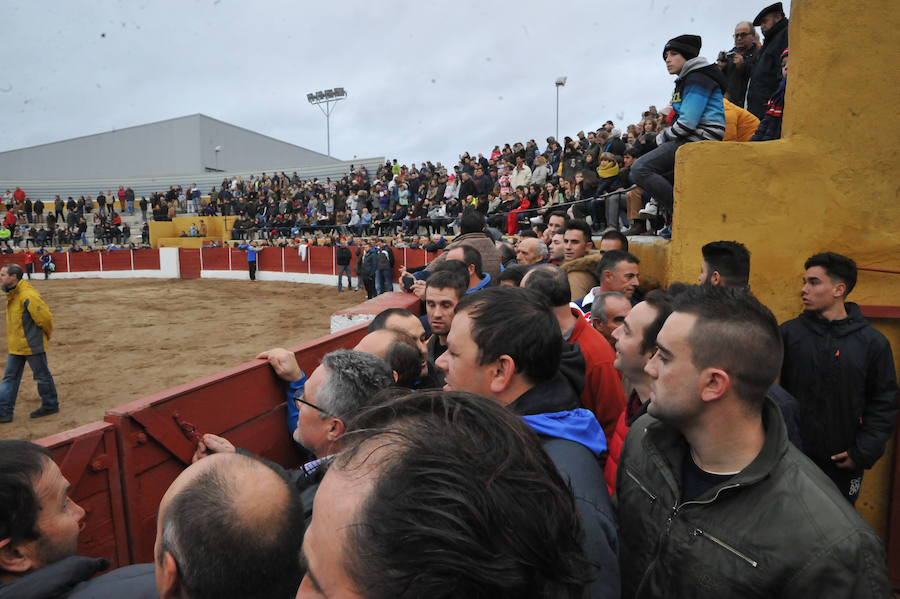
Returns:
point(739, 63)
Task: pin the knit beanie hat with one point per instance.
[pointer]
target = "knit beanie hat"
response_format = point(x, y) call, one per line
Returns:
point(686, 45)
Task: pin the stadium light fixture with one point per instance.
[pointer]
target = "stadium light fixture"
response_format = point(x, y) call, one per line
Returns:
point(560, 82)
point(328, 97)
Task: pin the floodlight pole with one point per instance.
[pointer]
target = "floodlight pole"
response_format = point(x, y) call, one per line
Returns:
point(328, 98)
point(560, 82)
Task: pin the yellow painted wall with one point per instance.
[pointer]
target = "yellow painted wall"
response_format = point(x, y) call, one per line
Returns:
point(217, 227)
point(829, 184)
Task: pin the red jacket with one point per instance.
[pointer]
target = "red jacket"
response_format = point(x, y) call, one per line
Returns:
point(614, 444)
point(603, 394)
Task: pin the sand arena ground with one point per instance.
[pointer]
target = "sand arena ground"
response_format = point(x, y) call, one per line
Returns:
point(115, 341)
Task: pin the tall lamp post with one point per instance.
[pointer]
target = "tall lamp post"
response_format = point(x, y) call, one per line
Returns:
point(329, 98)
point(560, 82)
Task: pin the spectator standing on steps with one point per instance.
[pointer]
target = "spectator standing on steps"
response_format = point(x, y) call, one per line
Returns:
point(767, 71)
point(739, 63)
point(29, 323)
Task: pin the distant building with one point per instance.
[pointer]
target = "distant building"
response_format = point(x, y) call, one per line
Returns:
point(188, 145)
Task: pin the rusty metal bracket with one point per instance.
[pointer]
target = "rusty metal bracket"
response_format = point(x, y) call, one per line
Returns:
point(189, 430)
point(168, 432)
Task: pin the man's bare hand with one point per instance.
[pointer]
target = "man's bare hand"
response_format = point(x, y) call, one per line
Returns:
point(418, 288)
point(211, 444)
point(738, 59)
point(844, 461)
point(283, 363)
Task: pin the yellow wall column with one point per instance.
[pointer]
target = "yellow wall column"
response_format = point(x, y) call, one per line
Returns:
point(830, 184)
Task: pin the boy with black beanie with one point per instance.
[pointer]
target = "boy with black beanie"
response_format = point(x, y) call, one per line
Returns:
point(699, 116)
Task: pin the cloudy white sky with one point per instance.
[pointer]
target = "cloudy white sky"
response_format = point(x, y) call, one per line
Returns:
point(425, 80)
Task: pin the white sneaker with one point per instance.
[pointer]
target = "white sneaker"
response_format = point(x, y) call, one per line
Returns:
point(649, 210)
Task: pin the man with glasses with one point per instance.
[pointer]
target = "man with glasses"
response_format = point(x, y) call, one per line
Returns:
point(318, 407)
point(740, 61)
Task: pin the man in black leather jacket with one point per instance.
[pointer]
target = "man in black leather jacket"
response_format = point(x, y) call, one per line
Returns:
point(713, 500)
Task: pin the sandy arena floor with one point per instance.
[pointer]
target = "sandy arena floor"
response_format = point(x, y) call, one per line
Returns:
point(115, 341)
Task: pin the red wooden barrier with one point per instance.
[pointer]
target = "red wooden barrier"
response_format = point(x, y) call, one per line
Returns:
point(14, 259)
point(245, 404)
point(415, 258)
point(189, 263)
point(321, 260)
point(146, 259)
point(85, 262)
point(292, 261)
point(116, 260)
point(215, 258)
point(59, 261)
point(88, 458)
point(269, 259)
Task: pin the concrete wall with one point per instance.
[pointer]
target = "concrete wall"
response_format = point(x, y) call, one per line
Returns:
point(829, 184)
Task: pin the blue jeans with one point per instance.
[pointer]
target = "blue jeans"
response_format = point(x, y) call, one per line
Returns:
point(649, 172)
point(9, 388)
point(344, 268)
point(383, 281)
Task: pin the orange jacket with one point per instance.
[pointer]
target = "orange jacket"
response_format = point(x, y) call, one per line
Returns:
point(740, 124)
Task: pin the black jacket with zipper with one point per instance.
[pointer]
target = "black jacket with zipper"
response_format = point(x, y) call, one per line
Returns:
point(777, 528)
point(842, 374)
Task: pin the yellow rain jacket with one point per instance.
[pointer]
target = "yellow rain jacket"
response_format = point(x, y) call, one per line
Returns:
point(28, 321)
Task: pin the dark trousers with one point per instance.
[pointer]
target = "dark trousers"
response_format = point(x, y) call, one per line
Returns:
point(252, 267)
point(369, 282)
point(649, 172)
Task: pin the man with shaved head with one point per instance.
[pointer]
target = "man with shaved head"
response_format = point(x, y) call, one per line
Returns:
point(229, 526)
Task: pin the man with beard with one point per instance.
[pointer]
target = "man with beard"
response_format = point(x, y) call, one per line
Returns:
point(443, 291)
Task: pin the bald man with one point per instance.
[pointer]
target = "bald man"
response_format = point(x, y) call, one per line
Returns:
point(229, 526)
point(531, 250)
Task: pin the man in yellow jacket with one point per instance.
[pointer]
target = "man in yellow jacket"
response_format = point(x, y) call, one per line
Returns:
point(28, 327)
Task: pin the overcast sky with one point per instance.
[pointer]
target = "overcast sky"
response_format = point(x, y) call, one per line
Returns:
point(425, 80)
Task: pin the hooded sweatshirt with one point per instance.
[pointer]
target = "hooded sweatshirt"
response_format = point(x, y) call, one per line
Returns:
point(698, 104)
point(573, 439)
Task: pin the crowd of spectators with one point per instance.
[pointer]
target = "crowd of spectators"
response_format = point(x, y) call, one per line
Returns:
point(514, 443)
point(553, 426)
point(615, 178)
point(64, 224)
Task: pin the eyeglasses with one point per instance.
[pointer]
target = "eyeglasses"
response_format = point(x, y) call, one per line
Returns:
point(298, 399)
point(738, 36)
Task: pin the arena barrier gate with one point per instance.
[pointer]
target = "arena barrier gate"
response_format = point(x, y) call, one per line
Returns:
point(313, 265)
point(119, 469)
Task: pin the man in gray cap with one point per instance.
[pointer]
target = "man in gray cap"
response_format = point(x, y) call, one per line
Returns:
point(767, 70)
